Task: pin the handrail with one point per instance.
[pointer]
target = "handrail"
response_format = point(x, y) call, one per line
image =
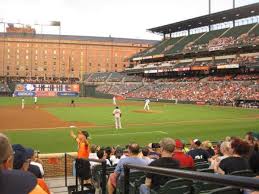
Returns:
point(102, 162)
point(229, 180)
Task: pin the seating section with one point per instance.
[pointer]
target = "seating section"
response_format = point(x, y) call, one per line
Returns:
point(4, 88)
point(118, 89)
point(115, 77)
point(238, 30)
point(99, 77)
point(209, 36)
point(133, 78)
point(255, 31)
point(179, 46)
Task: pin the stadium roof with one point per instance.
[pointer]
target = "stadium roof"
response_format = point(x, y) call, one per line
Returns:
point(79, 38)
point(206, 20)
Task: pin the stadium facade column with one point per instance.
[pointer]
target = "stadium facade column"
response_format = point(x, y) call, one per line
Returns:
point(2, 22)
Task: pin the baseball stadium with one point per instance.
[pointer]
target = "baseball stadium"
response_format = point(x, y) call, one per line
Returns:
point(180, 112)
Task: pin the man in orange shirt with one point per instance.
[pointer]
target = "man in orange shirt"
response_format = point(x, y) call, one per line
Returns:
point(83, 143)
point(82, 153)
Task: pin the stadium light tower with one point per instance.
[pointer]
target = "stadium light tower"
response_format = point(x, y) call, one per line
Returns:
point(209, 6)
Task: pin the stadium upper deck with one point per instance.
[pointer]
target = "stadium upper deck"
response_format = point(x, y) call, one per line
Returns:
point(232, 38)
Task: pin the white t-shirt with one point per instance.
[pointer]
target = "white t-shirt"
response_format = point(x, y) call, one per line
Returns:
point(39, 165)
point(147, 101)
point(117, 113)
point(35, 99)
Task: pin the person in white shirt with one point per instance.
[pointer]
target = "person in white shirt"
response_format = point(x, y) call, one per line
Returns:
point(114, 100)
point(23, 102)
point(146, 106)
point(35, 100)
point(117, 116)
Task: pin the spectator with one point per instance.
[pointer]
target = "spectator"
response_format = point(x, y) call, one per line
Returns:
point(117, 156)
point(237, 160)
point(14, 181)
point(35, 167)
point(22, 161)
point(93, 154)
point(133, 158)
point(197, 152)
point(207, 145)
point(225, 150)
point(154, 181)
point(108, 151)
point(185, 160)
point(102, 156)
point(83, 144)
point(145, 155)
point(154, 149)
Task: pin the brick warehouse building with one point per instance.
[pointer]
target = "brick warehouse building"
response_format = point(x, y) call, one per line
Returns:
point(42, 56)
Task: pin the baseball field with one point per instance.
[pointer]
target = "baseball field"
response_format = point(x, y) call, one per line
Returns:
point(46, 126)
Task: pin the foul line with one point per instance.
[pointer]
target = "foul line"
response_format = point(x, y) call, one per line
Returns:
point(122, 134)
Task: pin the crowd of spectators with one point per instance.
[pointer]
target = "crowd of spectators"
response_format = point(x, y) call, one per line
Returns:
point(225, 157)
point(118, 89)
point(199, 91)
point(220, 43)
point(21, 170)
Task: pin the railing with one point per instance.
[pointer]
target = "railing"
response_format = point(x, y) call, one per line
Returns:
point(102, 162)
point(229, 180)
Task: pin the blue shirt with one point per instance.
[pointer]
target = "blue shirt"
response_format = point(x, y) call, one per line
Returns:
point(129, 160)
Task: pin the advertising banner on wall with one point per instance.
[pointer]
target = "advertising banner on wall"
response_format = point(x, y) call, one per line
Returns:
point(47, 90)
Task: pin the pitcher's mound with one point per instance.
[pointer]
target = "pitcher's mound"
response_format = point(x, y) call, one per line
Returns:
point(149, 111)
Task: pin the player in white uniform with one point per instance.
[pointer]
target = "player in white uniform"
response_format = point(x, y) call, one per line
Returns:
point(146, 106)
point(114, 100)
point(35, 100)
point(117, 116)
point(23, 102)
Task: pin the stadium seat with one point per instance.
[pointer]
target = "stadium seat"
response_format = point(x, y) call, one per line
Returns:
point(135, 175)
point(247, 173)
point(206, 170)
point(204, 187)
point(134, 185)
point(179, 186)
point(226, 190)
point(202, 165)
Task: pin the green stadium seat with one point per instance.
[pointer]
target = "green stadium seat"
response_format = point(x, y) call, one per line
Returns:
point(247, 173)
point(206, 170)
point(177, 186)
point(204, 187)
point(133, 176)
point(226, 190)
point(202, 165)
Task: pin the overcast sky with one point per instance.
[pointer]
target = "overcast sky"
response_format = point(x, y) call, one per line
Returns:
point(118, 18)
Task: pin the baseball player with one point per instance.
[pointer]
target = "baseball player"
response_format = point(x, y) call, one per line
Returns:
point(114, 100)
point(23, 102)
point(146, 106)
point(35, 100)
point(117, 116)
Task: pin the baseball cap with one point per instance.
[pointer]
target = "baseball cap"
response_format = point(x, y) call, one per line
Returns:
point(197, 142)
point(20, 156)
point(30, 152)
point(178, 143)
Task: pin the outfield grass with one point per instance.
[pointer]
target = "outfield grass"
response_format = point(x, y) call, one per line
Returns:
point(177, 121)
